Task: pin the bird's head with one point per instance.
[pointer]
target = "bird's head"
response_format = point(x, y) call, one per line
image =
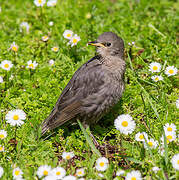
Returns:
point(109, 44)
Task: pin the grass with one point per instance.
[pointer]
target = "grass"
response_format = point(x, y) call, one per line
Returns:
point(152, 25)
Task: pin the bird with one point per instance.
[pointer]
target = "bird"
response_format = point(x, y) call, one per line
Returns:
point(94, 88)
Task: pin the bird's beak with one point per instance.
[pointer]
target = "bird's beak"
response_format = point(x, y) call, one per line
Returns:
point(95, 43)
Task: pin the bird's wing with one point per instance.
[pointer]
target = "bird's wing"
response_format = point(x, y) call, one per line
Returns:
point(86, 81)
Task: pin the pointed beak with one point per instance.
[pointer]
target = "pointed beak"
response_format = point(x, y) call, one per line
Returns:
point(95, 43)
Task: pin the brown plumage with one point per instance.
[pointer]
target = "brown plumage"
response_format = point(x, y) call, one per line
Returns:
point(94, 88)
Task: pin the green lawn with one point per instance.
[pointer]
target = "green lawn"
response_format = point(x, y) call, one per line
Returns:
point(152, 25)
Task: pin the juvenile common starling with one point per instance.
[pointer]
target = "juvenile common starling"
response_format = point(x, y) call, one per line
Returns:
point(94, 88)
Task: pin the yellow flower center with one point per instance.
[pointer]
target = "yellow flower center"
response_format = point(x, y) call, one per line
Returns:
point(68, 157)
point(6, 65)
point(80, 173)
point(14, 48)
point(155, 68)
point(150, 143)
point(156, 78)
point(1, 148)
point(178, 162)
point(75, 41)
point(101, 164)
point(45, 173)
point(141, 136)
point(2, 136)
point(39, 1)
point(125, 123)
point(15, 117)
point(68, 35)
point(169, 137)
point(133, 178)
point(55, 49)
point(17, 173)
point(171, 71)
point(58, 173)
point(31, 65)
point(169, 129)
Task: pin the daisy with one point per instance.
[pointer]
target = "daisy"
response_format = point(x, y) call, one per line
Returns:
point(168, 128)
point(14, 47)
point(39, 2)
point(171, 71)
point(51, 62)
point(151, 143)
point(3, 134)
point(43, 171)
point(74, 40)
point(24, 26)
point(67, 155)
point(50, 177)
point(70, 177)
point(1, 148)
point(154, 67)
point(1, 171)
point(15, 117)
point(17, 173)
point(124, 124)
point(177, 103)
point(175, 161)
point(102, 164)
point(6, 65)
point(133, 175)
point(88, 16)
point(141, 136)
point(45, 38)
point(80, 172)
point(68, 34)
point(170, 137)
point(31, 65)
point(155, 169)
point(55, 49)
point(1, 79)
point(50, 23)
point(157, 78)
point(120, 172)
point(51, 3)
point(58, 172)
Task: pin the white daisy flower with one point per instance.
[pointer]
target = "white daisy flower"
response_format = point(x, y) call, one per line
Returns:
point(102, 164)
point(50, 23)
point(151, 143)
point(58, 172)
point(155, 169)
point(154, 67)
point(168, 128)
point(14, 47)
point(51, 3)
point(171, 71)
point(170, 137)
point(44, 170)
point(141, 136)
point(157, 78)
point(68, 155)
point(32, 65)
point(1, 148)
point(39, 3)
point(17, 173)
point(3, 134)
point(69, 177)
point(68, 34)
point(45, 38)
point(24, 26)
point(1, 171)
point(133, 175)
point(51, 62)
point(80, 172)
point(125, 124)
point(6, 65)
point(120, 172)
point(15, 117)
point(74, 40)
point(50, 177)
point(175, 161)
point(1, 79)
point(55, 49)
point(177, 103)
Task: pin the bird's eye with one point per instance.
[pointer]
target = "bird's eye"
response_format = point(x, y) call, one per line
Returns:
point(108, 44)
